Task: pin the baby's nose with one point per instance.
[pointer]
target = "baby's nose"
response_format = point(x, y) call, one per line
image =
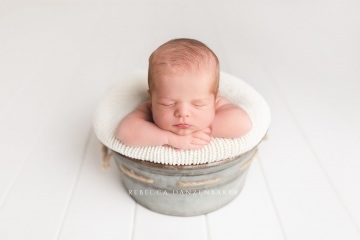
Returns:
point(182, 111)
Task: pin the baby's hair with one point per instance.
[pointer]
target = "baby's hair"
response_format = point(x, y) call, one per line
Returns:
point(183, 54)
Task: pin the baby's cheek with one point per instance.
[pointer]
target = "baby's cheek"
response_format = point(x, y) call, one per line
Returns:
point(161, 120)
point(209, 116)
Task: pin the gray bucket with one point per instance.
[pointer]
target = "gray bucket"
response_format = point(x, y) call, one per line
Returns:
point(184, 190)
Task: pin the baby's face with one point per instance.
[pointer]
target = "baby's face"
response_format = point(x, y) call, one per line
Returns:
point(183, 103)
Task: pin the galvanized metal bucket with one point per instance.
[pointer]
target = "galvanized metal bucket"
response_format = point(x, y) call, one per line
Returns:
point(184, 190)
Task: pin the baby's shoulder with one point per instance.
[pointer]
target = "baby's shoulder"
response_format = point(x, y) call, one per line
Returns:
point(143, 111)
point(145, 106)
point(221, 101)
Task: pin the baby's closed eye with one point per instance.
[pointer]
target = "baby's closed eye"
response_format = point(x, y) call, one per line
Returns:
point(200, 103)
point(166, 104)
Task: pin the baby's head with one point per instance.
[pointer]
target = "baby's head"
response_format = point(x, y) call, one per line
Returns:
point(183, 83)
point(182, 55)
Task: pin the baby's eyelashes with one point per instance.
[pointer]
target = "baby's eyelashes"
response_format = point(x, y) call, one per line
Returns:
point(202, 105)
point(195, 104)
point(167, 104)
point(199, 105)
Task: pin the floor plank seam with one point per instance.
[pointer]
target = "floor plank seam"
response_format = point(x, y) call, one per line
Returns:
point(36, 138)
point(272, 198)
point(319, 162)
point(313, 151)
point(134, 222)
point(17, 174)
point(331, 183)
point(207, 225)
point(68, 202)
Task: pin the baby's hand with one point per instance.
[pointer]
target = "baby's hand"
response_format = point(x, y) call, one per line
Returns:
point(194, 140)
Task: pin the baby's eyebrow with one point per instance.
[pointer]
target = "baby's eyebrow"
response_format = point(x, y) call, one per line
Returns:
point(205, 99)
point(165, 99)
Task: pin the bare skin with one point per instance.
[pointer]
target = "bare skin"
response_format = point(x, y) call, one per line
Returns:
point(183, 113)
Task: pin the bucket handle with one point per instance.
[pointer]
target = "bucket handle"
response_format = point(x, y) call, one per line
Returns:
point(134, 175)
point(248, 162)
point(106, 156)
point(198, 183)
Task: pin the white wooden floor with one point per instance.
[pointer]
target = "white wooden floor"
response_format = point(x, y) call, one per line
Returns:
point(58, 58)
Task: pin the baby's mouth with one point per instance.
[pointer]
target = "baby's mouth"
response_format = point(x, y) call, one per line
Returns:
point(182, 126)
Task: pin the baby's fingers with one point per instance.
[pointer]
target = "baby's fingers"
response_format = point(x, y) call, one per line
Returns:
point(203, 136)
point(199, 141)
point(207, 130)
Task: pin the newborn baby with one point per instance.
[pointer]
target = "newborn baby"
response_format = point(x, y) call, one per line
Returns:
point(184, 109)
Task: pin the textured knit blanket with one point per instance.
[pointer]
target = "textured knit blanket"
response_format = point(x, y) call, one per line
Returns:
point(132, 90)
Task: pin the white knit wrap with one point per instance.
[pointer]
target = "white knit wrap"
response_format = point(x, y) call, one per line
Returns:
point(132, 90)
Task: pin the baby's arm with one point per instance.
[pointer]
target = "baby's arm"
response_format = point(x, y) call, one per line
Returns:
point(230, 120)
point(138, 129)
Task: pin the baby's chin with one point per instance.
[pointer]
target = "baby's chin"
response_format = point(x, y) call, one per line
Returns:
point(182, 132)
